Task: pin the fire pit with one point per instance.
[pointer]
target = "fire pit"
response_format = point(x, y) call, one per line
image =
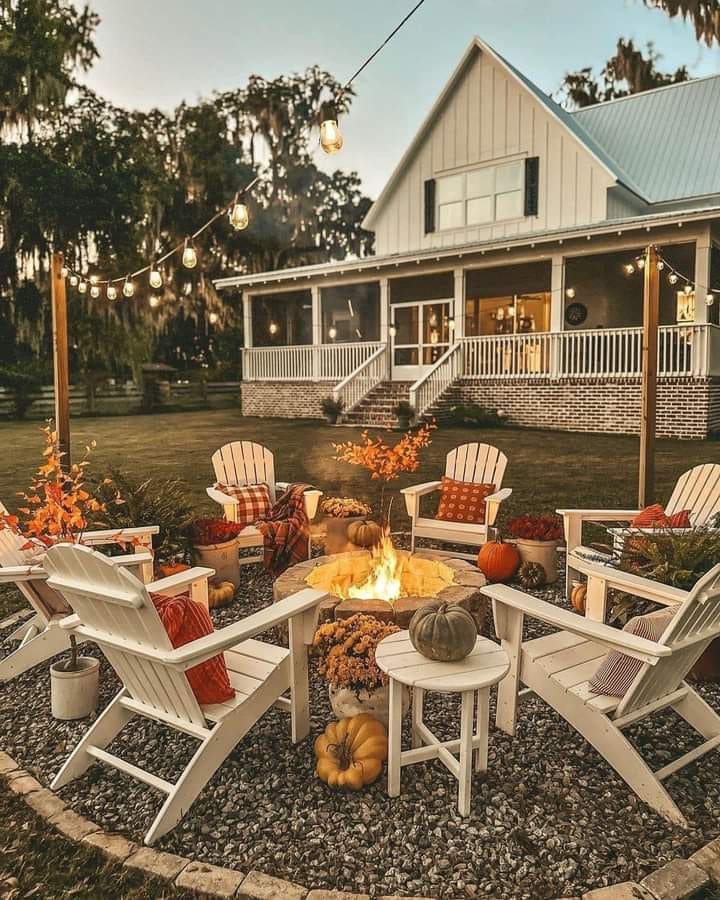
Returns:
point(387, 583)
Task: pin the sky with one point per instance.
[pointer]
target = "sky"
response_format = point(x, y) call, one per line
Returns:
point(156, 53)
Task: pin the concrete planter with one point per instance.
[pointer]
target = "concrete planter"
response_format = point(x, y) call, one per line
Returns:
point(346, 702)
point(74, 695)
point(221, 557)
point(543, 552)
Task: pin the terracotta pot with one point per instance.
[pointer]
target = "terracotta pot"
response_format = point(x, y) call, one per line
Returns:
point(346, 702)
point(543, 552)
point(221, 557)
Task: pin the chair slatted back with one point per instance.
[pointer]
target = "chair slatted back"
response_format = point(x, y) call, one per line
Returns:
point(690, 631)
point(477, 463)
point(12, 554)
point(697, 490)
point(244, 462)
point(116, 605)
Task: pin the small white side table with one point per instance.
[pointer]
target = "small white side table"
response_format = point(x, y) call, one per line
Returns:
point(472, 678)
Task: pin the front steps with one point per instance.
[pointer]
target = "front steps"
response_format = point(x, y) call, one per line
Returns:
point(377, 408)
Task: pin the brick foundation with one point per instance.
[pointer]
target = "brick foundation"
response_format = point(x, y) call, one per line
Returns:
point(285, 399)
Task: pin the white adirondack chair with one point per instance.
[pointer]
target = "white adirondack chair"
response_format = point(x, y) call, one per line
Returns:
point(478, 463)
point(113, 609)
point(244, 462)
point(40, 637)
point(557, 668)
point(697, 490)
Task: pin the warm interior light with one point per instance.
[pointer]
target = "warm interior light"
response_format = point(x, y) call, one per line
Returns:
point(392, 331)
point(212, 318)
point(155, 278)
point(570, 293)
point(629, 268)
point(273, 328)
point(332, 332)
point(128, 288)
point(189, 257)
point(330, 138)
point(239, 215)
point(709, 299)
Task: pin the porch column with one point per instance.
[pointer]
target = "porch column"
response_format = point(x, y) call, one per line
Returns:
point(459, 304)
point(316, 329)
point(557, 310)
point(703, 256)
point(385, 318)
point(247, 321)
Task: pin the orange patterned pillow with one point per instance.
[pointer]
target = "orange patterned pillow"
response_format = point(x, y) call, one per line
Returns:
point(463, 501)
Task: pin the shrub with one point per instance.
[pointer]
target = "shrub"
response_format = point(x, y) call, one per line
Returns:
point(332, 407)
point(530, 527)
point(403, 410)
point(474, 416)
point(24, 380)
point(676, 558)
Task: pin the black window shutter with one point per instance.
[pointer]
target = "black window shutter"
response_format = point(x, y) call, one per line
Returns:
point(429, 205)
point(532, 185)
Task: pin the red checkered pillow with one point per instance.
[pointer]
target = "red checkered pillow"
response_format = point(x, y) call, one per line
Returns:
point(463, 501)
point(253, 500)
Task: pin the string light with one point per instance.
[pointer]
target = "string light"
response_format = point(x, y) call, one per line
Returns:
point(82, 287)
point(189, 257)
point(570, 293)
point(641, 263)
point(64, 272)
point(128, 287)
point(213, 318)
point(709, 298)
point(661, 265)
point(331, 139)
point(111, 292)
point(392, 330)
point(674, 277)
point(629, 268)
point(688, 289)
point(239, 215)
point(94, 291)
point(73, 280)
point(155, 278)
point(154, 301)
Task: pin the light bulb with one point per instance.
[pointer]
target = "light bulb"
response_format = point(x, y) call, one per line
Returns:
point(451, 324)
point(212, 318)
point(128, 288)
point(661, 265)
point(187, 288)
point(64, 272)
point(332, 333)
point(672, 278)
point(154, 301)
point(709, 299)
point(629, 268)
point(73, 280)
point(239, 215)
point(330, 138)
point(93, 279)
point(640, 262)
point(688, 289)
point(570, 293)
point(155, 278)
point(82, 287)
point(111, 292)
point(392, 331)
point(189, 257)
point(272, 328)
point(94, 291)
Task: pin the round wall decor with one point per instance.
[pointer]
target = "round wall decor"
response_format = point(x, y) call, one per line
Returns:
point(576, 313)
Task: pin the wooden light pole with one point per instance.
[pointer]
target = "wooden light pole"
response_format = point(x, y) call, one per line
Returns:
point(58, 299)
point(651, 305)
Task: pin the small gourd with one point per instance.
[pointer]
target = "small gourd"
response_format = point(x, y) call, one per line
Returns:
point(364, 533)
point(578, 597)
point(532, 574)
point(446, 633)
point(498, 561)
point(172, 568)
point(220, 594)
point(350, 753)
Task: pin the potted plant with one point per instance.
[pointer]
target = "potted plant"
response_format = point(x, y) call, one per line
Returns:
point(216, 546)
point(537, 538)
point(346, 650)
point(332, 409)
point(404, 413)
point(338, 514)
point(74, 685)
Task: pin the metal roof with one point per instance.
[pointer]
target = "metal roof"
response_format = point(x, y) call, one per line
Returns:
point(666, 140)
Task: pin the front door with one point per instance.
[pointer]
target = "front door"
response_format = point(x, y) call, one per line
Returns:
point(421, 336)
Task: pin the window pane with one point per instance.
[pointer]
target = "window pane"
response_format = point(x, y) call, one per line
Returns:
point(509, 206)
point(436, 323)
point(479, 210)
point(432, 354)
point(450, 215)
point(481, 182)
point(282, 319)
point(509, 178)
point(351, 312)
point(406, 323)
point(406, 356)
point(449, 188)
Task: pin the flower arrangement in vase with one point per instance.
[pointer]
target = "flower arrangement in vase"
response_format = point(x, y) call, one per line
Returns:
point(537, 538)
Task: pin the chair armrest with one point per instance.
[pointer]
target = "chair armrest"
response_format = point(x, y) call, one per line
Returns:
point(191, 654)
point(22, 573)
point(131, 559)
point(492, 504)
point(631, 584)
point(600, 515)
point(220, 497)
point(119, 535)
point(597, 632)
point(419, 490)
point(176, 584)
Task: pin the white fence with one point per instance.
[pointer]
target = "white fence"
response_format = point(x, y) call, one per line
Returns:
point(309, 362)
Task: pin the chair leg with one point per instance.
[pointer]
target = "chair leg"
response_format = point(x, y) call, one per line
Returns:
point(698, 714)
point(110, 723)
point(33, 651)
point(29, 628)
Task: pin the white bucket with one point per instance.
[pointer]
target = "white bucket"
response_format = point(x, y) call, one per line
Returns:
point(74, 695)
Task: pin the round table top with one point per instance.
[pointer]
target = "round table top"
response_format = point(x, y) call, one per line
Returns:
point(486, 664)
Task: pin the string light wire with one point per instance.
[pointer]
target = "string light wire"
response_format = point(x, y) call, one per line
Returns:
point(671, 271)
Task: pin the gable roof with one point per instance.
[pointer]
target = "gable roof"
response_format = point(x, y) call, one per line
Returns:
point(666, 139)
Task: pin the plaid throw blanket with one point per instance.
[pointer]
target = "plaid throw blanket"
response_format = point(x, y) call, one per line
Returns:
point(286, 530)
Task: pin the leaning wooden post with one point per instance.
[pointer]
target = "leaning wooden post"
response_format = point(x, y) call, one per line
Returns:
point(61, 369)
point(651, 304)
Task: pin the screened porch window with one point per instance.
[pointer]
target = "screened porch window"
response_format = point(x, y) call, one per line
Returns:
point(351, 313)
point(481, 196)
point(508, 300)
point(282, 320)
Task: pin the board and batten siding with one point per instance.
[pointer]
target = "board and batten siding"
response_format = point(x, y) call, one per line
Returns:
point(490, 116)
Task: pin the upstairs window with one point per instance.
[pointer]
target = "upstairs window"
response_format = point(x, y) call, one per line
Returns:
point(481, 196)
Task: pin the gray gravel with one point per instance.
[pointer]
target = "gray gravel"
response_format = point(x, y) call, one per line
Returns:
point(551, 819)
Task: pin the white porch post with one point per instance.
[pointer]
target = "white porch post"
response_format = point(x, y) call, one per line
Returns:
point(316, 329)
point(247, 321)
point(703, 255)
point(557, 309)
point(459, 304)
point(385, 319)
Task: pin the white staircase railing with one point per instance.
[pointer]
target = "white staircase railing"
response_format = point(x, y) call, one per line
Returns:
point(369, 374)
point(427, 389)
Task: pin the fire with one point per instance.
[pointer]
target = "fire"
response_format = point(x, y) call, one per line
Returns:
point(385, 579)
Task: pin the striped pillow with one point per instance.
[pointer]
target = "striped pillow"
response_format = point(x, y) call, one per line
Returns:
point(617, 671)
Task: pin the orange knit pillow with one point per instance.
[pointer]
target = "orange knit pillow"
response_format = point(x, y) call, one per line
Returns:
point(185, 621)
point(463, 501)
point(655, 517)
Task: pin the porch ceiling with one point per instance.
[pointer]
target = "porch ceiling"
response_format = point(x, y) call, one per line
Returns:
point(380, 263)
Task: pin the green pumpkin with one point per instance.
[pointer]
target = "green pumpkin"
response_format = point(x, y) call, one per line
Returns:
point(444, 633)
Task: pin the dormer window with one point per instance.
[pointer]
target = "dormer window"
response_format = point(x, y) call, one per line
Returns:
point(480, 196)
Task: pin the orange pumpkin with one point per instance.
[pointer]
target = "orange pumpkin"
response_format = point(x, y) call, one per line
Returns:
point(350, 753)
point(172, 569)
point(498, 561)
point(578, 597)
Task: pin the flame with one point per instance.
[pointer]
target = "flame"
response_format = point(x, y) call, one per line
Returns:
point(385, 579)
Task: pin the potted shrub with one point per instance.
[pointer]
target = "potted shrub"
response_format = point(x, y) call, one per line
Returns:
point(216, 546)
point(332, 409)
point(537, 538)
point(74, 685)
point(346, 649)
point(404, 413)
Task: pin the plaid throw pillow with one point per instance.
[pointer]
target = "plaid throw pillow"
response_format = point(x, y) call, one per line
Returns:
point(463, 501)
point(617, 671)
point(253, 500)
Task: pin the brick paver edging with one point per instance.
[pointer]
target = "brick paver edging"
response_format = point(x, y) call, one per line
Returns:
point(677, 880)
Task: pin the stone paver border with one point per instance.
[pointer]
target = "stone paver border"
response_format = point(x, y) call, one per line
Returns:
point(678, 879)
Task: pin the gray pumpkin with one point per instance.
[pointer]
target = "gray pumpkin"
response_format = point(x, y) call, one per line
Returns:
point(444, 633)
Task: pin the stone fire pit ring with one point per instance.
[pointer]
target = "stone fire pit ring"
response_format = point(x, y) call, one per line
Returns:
point(465, 591)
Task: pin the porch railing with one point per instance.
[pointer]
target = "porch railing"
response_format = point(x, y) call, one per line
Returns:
point(683, 350)
point(361, 381)
point(427, 389)
point(307, 362)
